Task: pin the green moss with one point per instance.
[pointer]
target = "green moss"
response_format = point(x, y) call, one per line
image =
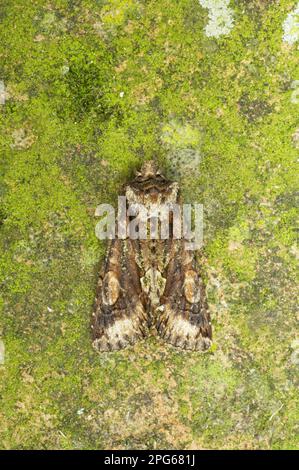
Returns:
point(91, 92)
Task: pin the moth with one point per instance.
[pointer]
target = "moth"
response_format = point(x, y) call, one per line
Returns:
point(151, 284)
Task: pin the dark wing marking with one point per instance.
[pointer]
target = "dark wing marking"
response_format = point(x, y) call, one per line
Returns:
point(119, 317)
point(183, 317)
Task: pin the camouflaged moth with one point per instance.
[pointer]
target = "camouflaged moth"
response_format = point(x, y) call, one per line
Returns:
point(151, 284)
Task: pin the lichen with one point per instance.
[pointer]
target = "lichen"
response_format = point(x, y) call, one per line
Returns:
point(182, 144)
point(220, 15)
point(291, 27)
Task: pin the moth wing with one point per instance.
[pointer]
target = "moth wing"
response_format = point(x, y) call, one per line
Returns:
point(119, 318)
point(183, 318)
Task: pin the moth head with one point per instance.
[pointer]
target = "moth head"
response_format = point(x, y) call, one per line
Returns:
point(149, 170)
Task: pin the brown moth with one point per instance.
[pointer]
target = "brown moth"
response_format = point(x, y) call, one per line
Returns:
point(150, 284)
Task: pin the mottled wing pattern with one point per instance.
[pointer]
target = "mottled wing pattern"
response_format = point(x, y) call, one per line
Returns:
point(119, 318)
point(183, 317)
point(152, 281)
